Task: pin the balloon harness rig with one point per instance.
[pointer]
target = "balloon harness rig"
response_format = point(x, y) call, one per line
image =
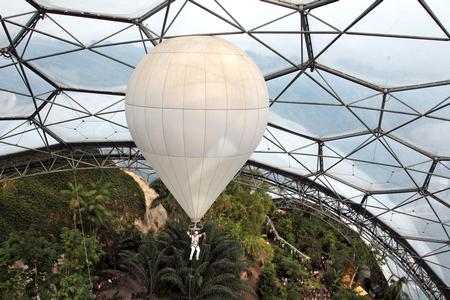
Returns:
point(194, 234)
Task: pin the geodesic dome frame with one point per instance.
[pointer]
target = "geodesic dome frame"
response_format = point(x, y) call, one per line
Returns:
point(360, 95)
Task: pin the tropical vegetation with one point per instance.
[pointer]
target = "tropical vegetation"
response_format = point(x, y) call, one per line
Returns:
point(74, 238)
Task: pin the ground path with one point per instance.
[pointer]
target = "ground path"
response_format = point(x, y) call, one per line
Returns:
point(252, 281)
point(154, 218)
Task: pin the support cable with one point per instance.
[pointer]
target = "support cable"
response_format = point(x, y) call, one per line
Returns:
point(82, 230)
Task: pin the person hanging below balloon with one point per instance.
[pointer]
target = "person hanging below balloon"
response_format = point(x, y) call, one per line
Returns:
point(195, 243)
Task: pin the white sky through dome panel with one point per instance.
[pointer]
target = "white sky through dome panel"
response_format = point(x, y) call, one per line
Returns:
point(399, 17)
point(436, 254)
point(19, 12)
point(425, 133)
point(200, 22)
point(133, 9)
point(85, 69)
point(243, 11)
point(346, 90)
point(282, 161)
point(394, 66)
point(305, 89)
point(82, 31)
point(335, 120)
point(15, 105)
point(342, 13)
point(426, 99)
point(441, 8)
point(265, 59)
point(23, 138)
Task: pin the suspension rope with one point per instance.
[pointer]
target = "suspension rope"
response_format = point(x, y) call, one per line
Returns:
point(82, 230)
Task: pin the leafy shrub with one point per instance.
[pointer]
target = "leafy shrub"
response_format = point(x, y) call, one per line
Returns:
point(287, 266)
point(37, 256)
point(257, 248)
point(37, 201)
point(293, 292)
point(79, 258)
point(267, 286)
point(240, 210)
point(347, 294)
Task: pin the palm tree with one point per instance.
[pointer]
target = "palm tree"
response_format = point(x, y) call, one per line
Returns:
point(191, 281)
point(140, 271)
point(161, 268)
point(216, 275)
point(395, 290)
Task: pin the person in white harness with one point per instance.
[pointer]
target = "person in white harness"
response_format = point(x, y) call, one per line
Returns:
point(195, 240)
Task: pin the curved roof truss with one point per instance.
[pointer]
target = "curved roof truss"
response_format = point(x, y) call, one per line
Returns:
point(358, 106)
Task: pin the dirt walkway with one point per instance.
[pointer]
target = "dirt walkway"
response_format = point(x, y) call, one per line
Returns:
point(149, 193)
point(154, 218)
point(251, 281)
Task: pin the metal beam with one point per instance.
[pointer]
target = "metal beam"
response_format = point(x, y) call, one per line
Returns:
point(316, 4)
point(432, 15)
point(80, 14)
point(309, 48)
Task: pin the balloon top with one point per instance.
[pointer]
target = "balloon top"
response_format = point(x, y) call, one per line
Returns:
point(197, 44)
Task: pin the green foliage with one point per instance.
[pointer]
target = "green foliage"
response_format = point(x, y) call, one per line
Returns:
point(241, 211)
point(395, 290)
point(37, 200)
point(317, 239)
point(74, 195)
point(74, 286)
point(287, 225)
point(30, 247)
point(287, 266)
point(216, 275)
point(293, 292)
point(80, 256)
point(159, 264)
point(96, 213)
point(330, 242)
point(79, 253)
point(159, 267)
point(126, 238)
point(142, 268)
point(13, 285)
point(257, 248)
point(332, 278)
point(37, 255)
point(267, 286)
point(90, 204)
point(347, 294)
point(247, 206)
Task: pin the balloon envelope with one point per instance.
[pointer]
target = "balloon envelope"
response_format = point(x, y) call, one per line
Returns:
point(196, 107)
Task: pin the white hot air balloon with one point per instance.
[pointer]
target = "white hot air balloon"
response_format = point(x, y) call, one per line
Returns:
point(196, 107)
